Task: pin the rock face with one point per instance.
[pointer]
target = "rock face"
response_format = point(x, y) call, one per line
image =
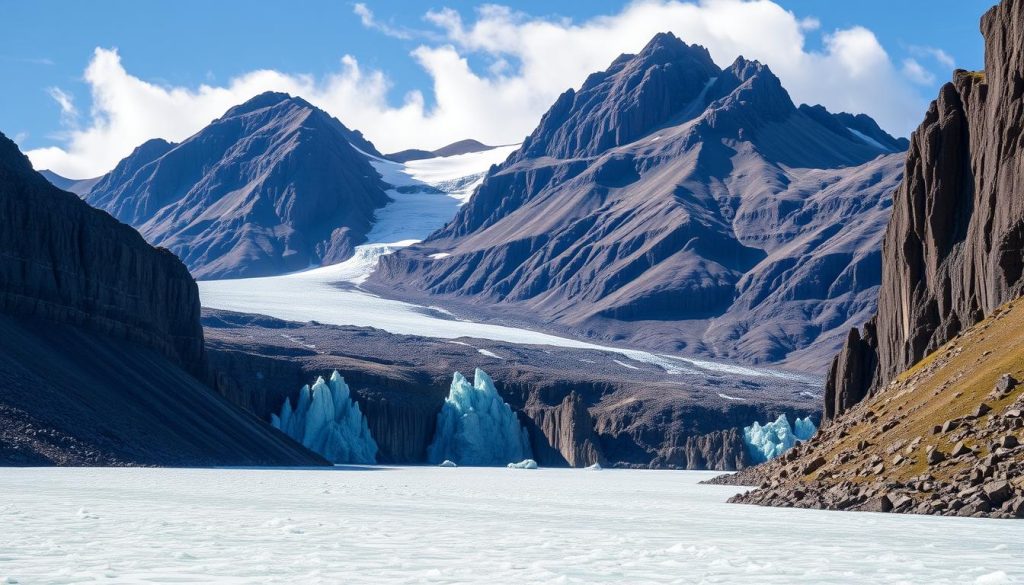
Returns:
point(674, 204)
point(101, 349)
point(954, 249)
point(275, 185)
point(66, 263)
point(924, 408)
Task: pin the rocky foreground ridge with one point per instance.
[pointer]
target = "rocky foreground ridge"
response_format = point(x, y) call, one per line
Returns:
point(945, 437)
point(923, 407)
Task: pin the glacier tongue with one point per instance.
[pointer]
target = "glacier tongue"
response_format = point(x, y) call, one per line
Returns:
point(328, 421)
point(476, 427)
point(775, 438)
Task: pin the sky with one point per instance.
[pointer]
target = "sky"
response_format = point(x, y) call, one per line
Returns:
point(86, 82)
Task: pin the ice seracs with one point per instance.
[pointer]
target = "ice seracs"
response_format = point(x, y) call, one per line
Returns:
point(476, 427)
point(328, 421)
point(775, 438)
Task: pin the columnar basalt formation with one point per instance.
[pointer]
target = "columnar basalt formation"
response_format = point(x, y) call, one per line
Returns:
point(954, 248)
point(924, 406)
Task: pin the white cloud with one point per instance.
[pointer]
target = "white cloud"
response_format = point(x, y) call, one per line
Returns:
point(917, 73)
point(370, 21)
point(522, 63)
point(810, 23)
point(941, 57)
point(68, 111)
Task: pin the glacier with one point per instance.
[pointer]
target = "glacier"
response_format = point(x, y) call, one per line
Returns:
point(476, 427)
point(775, 438)
point(328, 421)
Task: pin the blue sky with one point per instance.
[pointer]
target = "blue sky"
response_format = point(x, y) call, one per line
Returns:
point(46, 47)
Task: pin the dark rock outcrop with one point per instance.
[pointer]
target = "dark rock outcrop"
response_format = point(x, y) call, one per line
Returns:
point(675, 205)
point(64, 262)
point(101, 349)
point(924, 405)
point(275, 185)
point(954, 248)
point(569, 429)
point(723, 450)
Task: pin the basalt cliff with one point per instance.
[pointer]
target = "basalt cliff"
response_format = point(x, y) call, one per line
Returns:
point(923, 405)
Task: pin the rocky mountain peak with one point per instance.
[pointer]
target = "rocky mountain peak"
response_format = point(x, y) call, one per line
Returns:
point(751, 94)
point(636, 94)
point(268, 99)
point(273, 185)
point(12, 161)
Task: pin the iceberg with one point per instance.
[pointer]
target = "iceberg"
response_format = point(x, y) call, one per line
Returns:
point(524, 464)
point(447, 463)
point(775, 438)
point(476, 427)
point(326, 420)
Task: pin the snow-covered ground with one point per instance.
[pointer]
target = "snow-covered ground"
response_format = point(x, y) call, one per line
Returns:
point(427, 194)
point(462, 525)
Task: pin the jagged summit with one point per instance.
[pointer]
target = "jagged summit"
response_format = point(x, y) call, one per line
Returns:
point(264, 100)
point(274, 185)
point(614, 107)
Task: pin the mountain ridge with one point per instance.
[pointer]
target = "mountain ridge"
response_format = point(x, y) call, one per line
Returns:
point(274, 185)
point(636, 207)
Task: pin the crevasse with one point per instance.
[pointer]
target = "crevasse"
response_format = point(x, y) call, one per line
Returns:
point(775, 438)
point(326, 420)
point(476, 427)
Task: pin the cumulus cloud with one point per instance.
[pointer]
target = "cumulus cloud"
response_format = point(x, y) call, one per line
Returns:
point(917, 73)
point(521, 63)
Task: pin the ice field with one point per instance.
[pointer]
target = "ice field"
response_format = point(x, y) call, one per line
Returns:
point(436, 525)
point(427, 194)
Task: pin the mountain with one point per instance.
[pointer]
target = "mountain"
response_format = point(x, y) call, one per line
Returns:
point(933, 377)
point(77, 186)
point(101, 348)
point(674, 205)
point(461, 147)
point(275, 185)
